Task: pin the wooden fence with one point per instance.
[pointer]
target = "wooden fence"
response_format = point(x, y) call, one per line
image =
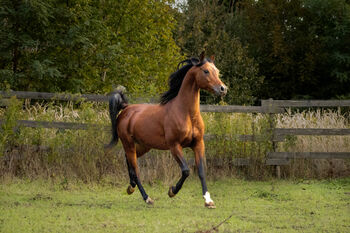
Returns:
point(270, 107)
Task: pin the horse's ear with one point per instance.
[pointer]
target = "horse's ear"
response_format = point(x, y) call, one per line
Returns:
point(212, 58)
point(194, 61)
point(202, 56)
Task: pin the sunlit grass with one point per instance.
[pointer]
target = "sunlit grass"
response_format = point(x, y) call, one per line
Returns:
point(273, 206)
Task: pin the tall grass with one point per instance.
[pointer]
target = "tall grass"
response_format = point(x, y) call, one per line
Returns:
point(316, 119)
point(80, 154)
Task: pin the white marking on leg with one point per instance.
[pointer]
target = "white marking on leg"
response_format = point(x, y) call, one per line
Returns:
point(207, 198)
point(149, 201)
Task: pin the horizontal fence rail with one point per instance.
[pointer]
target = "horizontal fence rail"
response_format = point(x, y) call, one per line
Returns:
point(85, 126)
point(309, 155)
point(267, 106)
point(104, 98)
point(54, 96)
point(280, 133)
point(232, 108)
point(311, 103)
point(311, 131)
point(59, 125)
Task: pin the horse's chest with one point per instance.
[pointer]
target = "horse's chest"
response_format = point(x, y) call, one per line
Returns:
point(182, 131)
point(188, 134)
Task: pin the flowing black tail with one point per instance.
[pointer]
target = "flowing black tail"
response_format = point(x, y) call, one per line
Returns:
point(117, 102)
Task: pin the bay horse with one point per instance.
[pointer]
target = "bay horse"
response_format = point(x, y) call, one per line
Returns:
point(172, 125)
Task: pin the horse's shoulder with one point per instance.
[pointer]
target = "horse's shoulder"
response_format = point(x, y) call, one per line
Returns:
point(197, 121)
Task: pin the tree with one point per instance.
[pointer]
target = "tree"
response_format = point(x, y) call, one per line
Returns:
point(289, 48)
point(302, 46)
point(24, 29)
point(205, 28)
point(87, 46)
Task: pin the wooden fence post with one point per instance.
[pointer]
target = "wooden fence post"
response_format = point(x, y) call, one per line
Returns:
point(270, 109)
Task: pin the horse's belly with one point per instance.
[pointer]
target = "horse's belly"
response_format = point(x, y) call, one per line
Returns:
point(187, 142)
point(151, 135)
point(155, 142)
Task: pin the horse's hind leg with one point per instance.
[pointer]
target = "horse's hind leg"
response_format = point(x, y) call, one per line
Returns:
point(177, 153)
point(131, 187)
point(134, 174)
point(139, 152)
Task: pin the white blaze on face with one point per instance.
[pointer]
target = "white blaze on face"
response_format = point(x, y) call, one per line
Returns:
point(207, 198)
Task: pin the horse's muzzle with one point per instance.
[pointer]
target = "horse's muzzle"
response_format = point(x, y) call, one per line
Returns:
point(220, 90)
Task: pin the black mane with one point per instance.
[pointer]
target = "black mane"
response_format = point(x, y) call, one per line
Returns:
point(176, 78)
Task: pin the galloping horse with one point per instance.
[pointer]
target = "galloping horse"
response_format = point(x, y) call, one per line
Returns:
point(172, 125)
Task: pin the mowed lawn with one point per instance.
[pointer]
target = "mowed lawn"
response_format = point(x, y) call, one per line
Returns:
point(254, 206)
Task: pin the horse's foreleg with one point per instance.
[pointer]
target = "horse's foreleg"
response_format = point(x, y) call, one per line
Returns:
point(198, 150)
point(176, 151)
point(134, 176)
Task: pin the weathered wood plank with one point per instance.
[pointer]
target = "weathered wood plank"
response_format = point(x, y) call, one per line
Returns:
point(219, 162)
point(241, 162)
point(4, 102)
point(260, 138)
point(54, 96)
point(277, 162)
point(311, 131)
point(104, 98)
point(243, 138)
point(279, 133)
point(308, 155)
point(268, 106)
point(311, 103)
point(59, 125)
point(84, 126)
point(231, 109)
point(211, 137)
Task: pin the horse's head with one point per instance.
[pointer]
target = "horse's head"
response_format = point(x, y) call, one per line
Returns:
point(207, 76)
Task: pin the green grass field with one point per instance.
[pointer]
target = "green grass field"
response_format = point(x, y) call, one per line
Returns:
point(254, 206)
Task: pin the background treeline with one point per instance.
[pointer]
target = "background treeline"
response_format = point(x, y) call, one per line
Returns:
point(86, 45)
point(284, 49)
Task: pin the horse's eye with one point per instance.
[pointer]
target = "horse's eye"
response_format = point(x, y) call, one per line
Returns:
point(206, 71)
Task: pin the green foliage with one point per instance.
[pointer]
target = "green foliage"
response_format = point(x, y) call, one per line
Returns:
point(304, 51)
point(204, 27)
point(9, 133)
point(86, 46)
point(239, 71)
point(267, 48)
point(227, 129)
point(278, 49)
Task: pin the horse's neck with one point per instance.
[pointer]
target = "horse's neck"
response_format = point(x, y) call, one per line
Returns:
point(188, 97)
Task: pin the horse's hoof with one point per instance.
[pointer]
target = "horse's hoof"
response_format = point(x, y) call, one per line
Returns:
point(210, 205)
point(149, 201)
point(170, 193)
point(130, 190)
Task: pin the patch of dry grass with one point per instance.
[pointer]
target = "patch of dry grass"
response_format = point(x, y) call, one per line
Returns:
point(317, 119)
